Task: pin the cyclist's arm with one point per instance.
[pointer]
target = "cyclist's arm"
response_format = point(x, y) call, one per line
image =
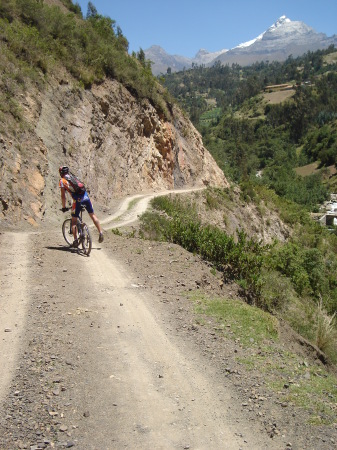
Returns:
point(63, 197)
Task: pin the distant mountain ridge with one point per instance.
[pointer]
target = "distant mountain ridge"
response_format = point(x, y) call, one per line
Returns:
point(285, 37)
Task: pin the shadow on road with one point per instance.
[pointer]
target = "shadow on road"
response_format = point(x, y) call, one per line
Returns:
point(63, 249)
point(71, 249)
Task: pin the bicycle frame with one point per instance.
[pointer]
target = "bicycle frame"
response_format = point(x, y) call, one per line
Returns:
point(84, 238)
point(79, 223)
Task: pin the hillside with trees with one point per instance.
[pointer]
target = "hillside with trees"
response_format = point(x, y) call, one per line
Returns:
point(37, 37)
point(248, 135)
point(261, 123)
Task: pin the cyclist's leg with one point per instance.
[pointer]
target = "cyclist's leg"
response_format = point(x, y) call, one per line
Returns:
point(88, 206)
point(75, 213)
point(98, 226)
point(96, 222)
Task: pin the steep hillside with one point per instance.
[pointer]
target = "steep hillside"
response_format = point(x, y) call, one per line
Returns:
point(118, 141)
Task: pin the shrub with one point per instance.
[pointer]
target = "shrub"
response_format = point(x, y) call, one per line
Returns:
point(288, 260)
point(326, 334)
point(241, 260)
point(277, 292)
point(175, 205)
point(153, 226)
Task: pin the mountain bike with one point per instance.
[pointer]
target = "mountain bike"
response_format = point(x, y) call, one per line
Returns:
point(83, 233)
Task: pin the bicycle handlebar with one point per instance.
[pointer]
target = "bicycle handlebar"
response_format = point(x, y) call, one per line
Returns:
point(68, 208)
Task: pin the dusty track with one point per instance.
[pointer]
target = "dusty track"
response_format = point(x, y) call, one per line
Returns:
point(91, 360)
point(14, 299)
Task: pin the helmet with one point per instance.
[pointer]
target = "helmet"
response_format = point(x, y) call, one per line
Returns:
point(63, 170)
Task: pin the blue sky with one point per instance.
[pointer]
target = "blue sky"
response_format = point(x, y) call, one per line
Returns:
point(182, 27)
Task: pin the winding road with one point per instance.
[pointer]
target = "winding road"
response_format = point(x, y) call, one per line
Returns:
point(122, 378)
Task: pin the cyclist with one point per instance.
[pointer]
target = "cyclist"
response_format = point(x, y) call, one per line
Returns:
point(78, 201)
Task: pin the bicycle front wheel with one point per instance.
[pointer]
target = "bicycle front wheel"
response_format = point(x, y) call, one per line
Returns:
point(86, 240)
point(67, 231)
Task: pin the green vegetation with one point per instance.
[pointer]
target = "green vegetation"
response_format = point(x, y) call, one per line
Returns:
point(210, 116)
point(237, 320)
point(264, 142)
point(309, 387)
point(295, 381)
point(229, 87)
point(295, 280)
point(240, 261)
point(259, 145)
point(37, 39)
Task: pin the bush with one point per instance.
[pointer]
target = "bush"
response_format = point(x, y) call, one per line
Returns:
point(277, 292)
point(153, 226)
point(326, 334)
point(288, 260)
point(241, 260)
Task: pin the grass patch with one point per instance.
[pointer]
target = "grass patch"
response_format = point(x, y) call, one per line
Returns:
point(238, 320)
point(116, 232)
point(133, 203)
point(310, 388)
point(124, 233)
point(295, 381)
point(210, 117)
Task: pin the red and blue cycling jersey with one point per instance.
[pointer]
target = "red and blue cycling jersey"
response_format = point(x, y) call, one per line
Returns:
point(79, 200)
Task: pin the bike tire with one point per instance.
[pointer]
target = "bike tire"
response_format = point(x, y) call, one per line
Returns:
point(67, 232)
point(86, 240)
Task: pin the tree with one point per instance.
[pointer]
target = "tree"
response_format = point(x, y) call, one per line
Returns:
point(92, 11)
point(122, 42)
point(141, 56)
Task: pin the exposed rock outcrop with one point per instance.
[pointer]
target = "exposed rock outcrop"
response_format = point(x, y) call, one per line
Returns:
point(116, 143)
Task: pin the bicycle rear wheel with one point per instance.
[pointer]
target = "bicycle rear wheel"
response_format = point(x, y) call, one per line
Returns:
point(67, 232)
point(86, 240)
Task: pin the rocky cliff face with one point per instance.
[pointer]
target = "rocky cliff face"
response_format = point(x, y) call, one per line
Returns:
point(117, 144)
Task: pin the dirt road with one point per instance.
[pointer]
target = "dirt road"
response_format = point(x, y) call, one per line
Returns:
point(91, 359)
point(14, 299)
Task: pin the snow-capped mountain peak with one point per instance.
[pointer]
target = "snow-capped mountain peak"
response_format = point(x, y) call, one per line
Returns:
point(281, 21)
point(285, 37)
point(249, 43)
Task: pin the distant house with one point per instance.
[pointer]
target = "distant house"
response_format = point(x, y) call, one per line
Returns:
point(330, 217)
